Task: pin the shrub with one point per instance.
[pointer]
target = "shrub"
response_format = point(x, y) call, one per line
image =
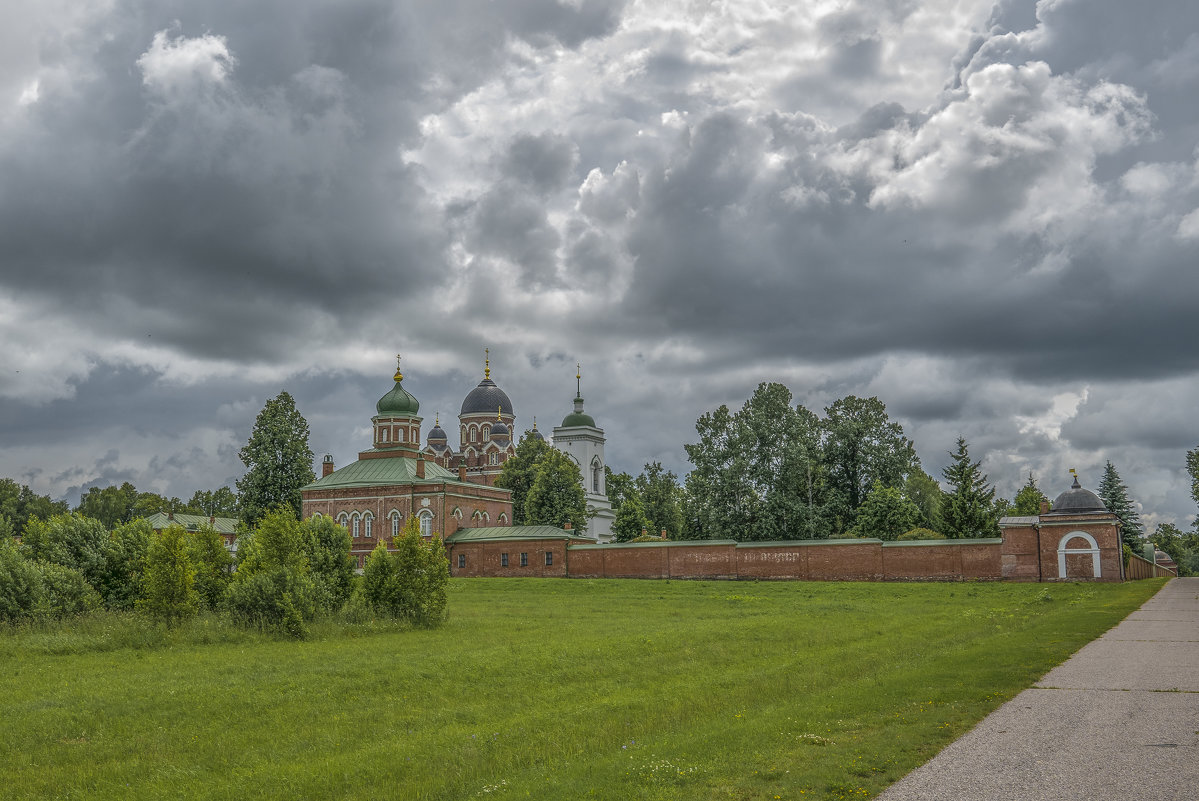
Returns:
point(121, 582)
point(330, 561)
point(272, 587)
point(20, 584)
point(70, 540)
point(411, 583)
point(212, 562)
point(63, 592)
point(170, 577)
point(921, 534)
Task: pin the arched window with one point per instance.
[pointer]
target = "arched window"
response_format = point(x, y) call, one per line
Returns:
point(395, 522)
point(503, 519)
point(343, 520)
point(597, 472)
point(400, 434)
point(317, 514)
point(370, 519)
point(457, 513)
point(426, 523)
point(486, 433)
point(383, 435)
point(354, 523)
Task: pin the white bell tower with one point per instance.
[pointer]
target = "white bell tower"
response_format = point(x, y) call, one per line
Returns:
point(581, 439)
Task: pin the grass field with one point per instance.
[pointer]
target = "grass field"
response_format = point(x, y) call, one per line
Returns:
point(539, 688)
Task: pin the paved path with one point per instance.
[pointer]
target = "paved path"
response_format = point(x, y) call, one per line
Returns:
point(1119, 720)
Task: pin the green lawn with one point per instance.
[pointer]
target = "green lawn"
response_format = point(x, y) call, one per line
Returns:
point(542, 688)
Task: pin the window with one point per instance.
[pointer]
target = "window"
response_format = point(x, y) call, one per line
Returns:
point(370, 518)
point(524, 560)
point(343, 520)
point(549, 558)
point(426, 524)
point(395, 523)
point(383, 435)
point(400, 433)
point(354, 519)
point(503, 560)
point(597, 470)
point(486, 433)
point(461, 561)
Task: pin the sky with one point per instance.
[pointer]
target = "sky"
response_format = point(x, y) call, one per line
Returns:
point(984, 213)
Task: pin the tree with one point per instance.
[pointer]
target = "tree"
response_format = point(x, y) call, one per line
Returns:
point(519, 472)
point(411, 583)
point(862, 445)
point(170, 577)
point(330, 560)
point(278, 460)
point(756, 473)
point(122, 580)
point(630, 520)
point(1114, 494)
point(221, 502)
point(619, 486)
point(556, 495)
point(924, 491)
point(19, 504)
point(1029, 499)
point(661, 499)
point(212, 562)
point(70, 540)
point(110, 505)
point(272, 587)
point(886, 513)
point(968, 506)
point(1182, 547)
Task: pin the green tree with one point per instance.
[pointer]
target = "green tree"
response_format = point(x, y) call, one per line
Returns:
point(170, 593)
point(556, 495)
point(1029, 499)
point(968, 508)
point(271, 587)
point(411, 583)
point(1182, 547)
point(70, 540)
point(122, 581)
point(661, 498)
point(518, 472)
point(20, 585)
point(630, 520)
point(756, 474)
point(213, 564)
point(886, 513)
point(221, 502)
point(278, 460)
point(110, 505)
point(1114, 494)
point(619, 486)
point(924, 491)
point(862, 445)
point(19, 504)
point(1193, 470)
point(330, 560)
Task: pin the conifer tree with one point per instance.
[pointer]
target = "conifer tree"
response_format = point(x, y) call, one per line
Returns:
point(1028, 499)
point(278, 461)
point(1114, 494)
point(968, 509)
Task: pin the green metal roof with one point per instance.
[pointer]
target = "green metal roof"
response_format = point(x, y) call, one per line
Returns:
point(397, 401)
point(575, 419)
point(492, 533)
point(384, 472)
point(223, 525)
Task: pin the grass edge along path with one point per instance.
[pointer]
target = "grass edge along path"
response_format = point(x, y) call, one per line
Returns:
point(538, 688)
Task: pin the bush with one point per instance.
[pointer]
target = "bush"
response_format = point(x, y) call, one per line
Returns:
point(20, 584)
point(272, 587)
point(921, 534)
point(170, 577)
point(330, 561)
point(63, 592)
point(212, 562)
point(122, 580)
point(411, 583)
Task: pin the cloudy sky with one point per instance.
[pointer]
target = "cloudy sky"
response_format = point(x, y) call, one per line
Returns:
point(985, 213)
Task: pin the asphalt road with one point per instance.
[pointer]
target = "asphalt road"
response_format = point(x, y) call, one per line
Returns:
point(1118, 720)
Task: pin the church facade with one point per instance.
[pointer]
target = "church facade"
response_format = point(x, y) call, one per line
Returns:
point(447, 490)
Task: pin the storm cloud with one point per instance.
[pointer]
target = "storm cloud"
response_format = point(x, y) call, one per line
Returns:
point(985, 214)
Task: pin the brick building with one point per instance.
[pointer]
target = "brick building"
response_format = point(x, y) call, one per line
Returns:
point(395, 481)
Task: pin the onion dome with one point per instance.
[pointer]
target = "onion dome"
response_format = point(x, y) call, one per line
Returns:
point(437, 432)
point(535, 434)
point(578, 417)
point(486, 396)
point(1077, 500)
point(498, 429)
point(399, 401)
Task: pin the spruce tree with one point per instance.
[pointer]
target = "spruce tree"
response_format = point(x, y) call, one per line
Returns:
point(968, 509)
point(1114, 494)
point(278, 461)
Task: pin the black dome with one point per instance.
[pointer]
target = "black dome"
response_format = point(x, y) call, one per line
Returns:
point(486, 399)
point(498, 429)
point(1077, 500)
point(437, 432)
